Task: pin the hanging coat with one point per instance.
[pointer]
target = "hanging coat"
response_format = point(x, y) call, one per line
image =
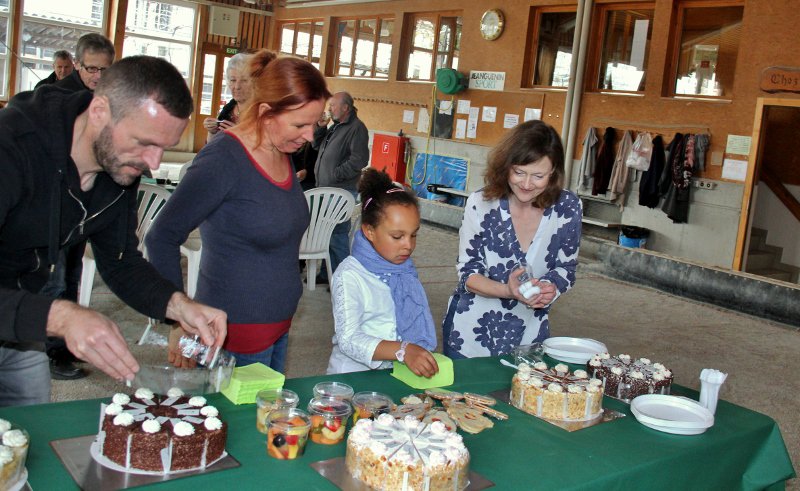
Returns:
point(588, 158)
point(605, 162)
point(619, 173)
point(648, 185)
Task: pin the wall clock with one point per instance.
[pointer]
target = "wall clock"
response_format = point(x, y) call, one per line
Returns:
point(492, 23)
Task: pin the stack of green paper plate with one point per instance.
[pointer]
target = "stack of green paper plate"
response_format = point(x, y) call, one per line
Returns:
point(248, 380)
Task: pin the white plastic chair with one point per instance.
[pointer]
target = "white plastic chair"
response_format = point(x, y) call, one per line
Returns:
point(328, 207)
point(193, 250)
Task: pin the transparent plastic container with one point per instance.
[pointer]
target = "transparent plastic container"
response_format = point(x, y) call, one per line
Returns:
point(16, 441)
point(329, 417)
point(337, 390)
point(371, 405)
point(271, 399)
point(287, 433)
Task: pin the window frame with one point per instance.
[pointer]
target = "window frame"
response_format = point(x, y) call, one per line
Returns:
point(310, 55)
point(376, 38)
point(593, 71)
point(5, 89)
point(674, 47)
point(24, 58)
point(532, 43)
point(409, 24)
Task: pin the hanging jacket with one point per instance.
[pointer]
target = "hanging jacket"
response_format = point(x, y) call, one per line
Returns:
point(588, 158)
point(648, 186)
point(605, 162)
point(619, 174)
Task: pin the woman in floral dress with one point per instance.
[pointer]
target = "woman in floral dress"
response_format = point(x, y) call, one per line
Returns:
point(522, 216)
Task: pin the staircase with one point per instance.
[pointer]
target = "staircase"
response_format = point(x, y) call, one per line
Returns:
point(765, 260)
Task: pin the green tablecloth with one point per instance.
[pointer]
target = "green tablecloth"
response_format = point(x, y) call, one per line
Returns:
point(743, 450)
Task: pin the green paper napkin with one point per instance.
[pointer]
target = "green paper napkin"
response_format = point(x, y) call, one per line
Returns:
point(248, 380)
point(443, 378)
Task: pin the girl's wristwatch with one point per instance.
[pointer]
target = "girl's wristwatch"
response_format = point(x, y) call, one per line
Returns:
point(401, 353)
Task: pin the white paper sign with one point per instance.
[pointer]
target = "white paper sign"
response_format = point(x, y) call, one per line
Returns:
point(423, 121)
point(734, 169)
point(489, 114)
point(738, 145)
point(531, 114)
point(463, 106)
point(472, 122)
point(408, 116)
point(461, 128)
point(445, 107)
point(487, 80)
point(510, 120)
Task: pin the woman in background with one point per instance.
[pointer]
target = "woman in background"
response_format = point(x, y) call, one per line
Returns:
point(522, 216)
point(242, 192)
point(238, 77)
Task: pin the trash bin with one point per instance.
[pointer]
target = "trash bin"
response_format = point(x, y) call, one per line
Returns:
point(631, 236)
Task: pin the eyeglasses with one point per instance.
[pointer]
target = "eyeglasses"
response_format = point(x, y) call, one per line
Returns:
point(94, 69)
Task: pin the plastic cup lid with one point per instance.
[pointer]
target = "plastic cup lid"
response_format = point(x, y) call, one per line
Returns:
point(333, 389)
point(329, 406)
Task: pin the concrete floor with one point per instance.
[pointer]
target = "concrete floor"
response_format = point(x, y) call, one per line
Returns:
point(682, 334)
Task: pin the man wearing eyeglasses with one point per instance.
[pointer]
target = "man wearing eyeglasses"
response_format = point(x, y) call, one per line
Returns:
point(93, 55)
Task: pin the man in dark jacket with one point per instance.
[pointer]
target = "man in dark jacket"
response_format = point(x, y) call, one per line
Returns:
point(71, 164)
point(62, 67)
point(343, 152)
point(94, 53)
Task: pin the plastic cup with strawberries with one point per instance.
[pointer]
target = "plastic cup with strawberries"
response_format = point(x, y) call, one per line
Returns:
point(371, 405)
point(287, 433)
point(337, 390)
point(271, 399)
point(328, 419)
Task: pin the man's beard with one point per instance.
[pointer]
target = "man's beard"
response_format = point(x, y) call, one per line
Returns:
point(105, 155)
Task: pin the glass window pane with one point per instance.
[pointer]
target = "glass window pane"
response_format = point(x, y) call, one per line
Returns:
point(626, 46)
point(39, 42)
point(316, 47)
point(708, 50)
point(346, 32)
point(287, 39)
point(365, 47)
point(303, 40)
point(226, 90)
point(421, 56)
point(384, 56)
point(178, 54)
point(161, 20)
point(554, 49)
point(87, 13)
point(209, 66)
point(424, 33)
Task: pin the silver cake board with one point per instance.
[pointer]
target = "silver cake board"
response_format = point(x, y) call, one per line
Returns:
point(607, 416)
point(89, 475)
point(335, 471)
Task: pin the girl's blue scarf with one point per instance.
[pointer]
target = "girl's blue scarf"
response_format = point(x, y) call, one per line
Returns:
point(411, 310)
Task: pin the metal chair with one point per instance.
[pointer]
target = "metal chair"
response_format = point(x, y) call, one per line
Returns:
point(328, 207)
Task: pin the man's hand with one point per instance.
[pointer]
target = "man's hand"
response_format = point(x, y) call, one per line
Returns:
point(93, 337)
point(195, 318)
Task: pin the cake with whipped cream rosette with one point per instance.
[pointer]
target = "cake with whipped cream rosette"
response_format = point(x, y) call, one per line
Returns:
point(389, 454)
point(161, 433)
point(625, 378)
point(13, 452)
point(555, 393)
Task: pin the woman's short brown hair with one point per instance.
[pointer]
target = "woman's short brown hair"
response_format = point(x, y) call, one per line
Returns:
point(283, 83)
point(525, 144)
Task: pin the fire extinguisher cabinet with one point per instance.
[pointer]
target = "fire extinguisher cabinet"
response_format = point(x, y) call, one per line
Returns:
point(388, 154)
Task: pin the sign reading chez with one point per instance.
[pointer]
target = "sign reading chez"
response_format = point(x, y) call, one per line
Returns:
point(780, 79)
point(487, 80)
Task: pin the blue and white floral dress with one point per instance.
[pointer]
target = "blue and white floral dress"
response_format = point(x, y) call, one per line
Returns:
point(480, 326)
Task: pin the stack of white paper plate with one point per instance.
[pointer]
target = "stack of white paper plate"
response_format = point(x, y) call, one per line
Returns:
point(672, 414)
point(573, 350)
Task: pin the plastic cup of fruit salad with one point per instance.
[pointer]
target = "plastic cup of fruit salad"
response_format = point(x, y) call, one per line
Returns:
point(270, 399)
point(371, 405)
point(287, 433)
point(328, 419)
point(333, 389)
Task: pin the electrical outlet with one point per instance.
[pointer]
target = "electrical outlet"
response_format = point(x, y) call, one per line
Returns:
point(703, 184)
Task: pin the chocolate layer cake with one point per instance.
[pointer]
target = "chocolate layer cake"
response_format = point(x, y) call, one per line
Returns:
point(161, 433)
point(626, 378)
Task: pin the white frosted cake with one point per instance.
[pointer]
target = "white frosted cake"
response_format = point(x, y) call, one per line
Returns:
point(389, 454)
point(555, 393)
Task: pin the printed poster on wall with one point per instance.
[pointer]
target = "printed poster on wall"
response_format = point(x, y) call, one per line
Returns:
point(487, 80)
